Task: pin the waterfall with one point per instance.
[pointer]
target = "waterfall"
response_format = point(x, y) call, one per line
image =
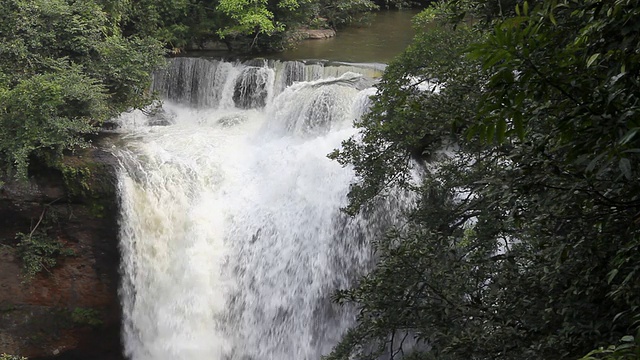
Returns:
point(232, 237)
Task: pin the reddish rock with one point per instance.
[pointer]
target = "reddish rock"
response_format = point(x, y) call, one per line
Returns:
point(70, 311)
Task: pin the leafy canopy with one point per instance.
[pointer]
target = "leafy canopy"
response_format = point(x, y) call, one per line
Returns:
point(524, 238)
point(64, 69)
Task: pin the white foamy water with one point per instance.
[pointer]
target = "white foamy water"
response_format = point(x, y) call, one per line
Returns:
point(231, 232)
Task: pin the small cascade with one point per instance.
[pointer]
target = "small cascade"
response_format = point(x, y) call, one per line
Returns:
point(252, 87)
point(232, 236)
point(315, 107)
point(207, 83)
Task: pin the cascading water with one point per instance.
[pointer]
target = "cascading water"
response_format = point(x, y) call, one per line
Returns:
point(231, 232)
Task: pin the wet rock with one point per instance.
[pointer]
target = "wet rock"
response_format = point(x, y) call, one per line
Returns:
point(231, 120)
point(318, 34)
point(251, 88)
point(161, 117)
point(73, 307)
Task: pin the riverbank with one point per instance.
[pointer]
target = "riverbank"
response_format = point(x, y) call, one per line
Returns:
point(387, 34)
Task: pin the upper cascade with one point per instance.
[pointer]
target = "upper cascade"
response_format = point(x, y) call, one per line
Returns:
point(209, 83)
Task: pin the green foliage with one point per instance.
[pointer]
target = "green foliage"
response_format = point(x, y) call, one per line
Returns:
point(39, 249)
point(250, 17)
point(11, 357)
point(175, 23)
point(86, 316)
point(76, 179)
point(47, 112)
point(89, 183)
point(266, 21)
point(245, 25)
point(524, 240)
point(64, 69)
point(340, 13)
point(407, 119)
point(627, 349)
point(595, 106)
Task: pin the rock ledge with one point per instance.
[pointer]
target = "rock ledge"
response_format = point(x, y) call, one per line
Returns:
point(70, 311)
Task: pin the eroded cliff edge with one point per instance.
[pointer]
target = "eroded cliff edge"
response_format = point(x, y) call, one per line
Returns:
point(70, 310)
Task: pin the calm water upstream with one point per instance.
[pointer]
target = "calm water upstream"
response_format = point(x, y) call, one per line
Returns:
point(387, 36)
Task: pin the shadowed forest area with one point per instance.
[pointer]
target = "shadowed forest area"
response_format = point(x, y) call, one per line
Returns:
point(521, 119)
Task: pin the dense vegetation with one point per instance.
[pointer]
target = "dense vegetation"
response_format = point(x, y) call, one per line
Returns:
point(524, 242)
point(65, 67)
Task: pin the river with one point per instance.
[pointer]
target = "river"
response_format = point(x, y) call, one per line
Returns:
point(386, 36)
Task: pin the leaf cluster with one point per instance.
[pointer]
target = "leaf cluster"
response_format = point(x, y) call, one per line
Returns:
point(524, 244)
point(627, 349)
point(64, 69)
point(39, 249)
point(11, 357)
point(266, 21)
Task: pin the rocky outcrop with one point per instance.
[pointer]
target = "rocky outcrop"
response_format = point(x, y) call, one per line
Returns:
point(70, 310)
point(317, 34)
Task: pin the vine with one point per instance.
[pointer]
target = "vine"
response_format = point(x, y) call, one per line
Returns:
point(37, 249)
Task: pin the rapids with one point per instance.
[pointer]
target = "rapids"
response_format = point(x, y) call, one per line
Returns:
point(232, 238)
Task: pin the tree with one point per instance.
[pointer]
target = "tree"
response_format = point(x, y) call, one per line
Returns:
point(265, 18)
point(64, 69)
point(523, 243)
point(252, 16)
point(342, 13)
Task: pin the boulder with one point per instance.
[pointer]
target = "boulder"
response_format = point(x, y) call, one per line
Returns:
point(318, 34)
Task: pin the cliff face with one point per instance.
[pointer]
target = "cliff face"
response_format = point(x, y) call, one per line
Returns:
point(69, 310)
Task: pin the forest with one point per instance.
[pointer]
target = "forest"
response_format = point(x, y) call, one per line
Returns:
point(522, 127)
point(514, 122)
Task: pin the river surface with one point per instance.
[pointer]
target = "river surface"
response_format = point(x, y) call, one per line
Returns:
point(386, 36)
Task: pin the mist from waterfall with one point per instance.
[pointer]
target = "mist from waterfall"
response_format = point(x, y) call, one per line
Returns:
point(232, 237)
